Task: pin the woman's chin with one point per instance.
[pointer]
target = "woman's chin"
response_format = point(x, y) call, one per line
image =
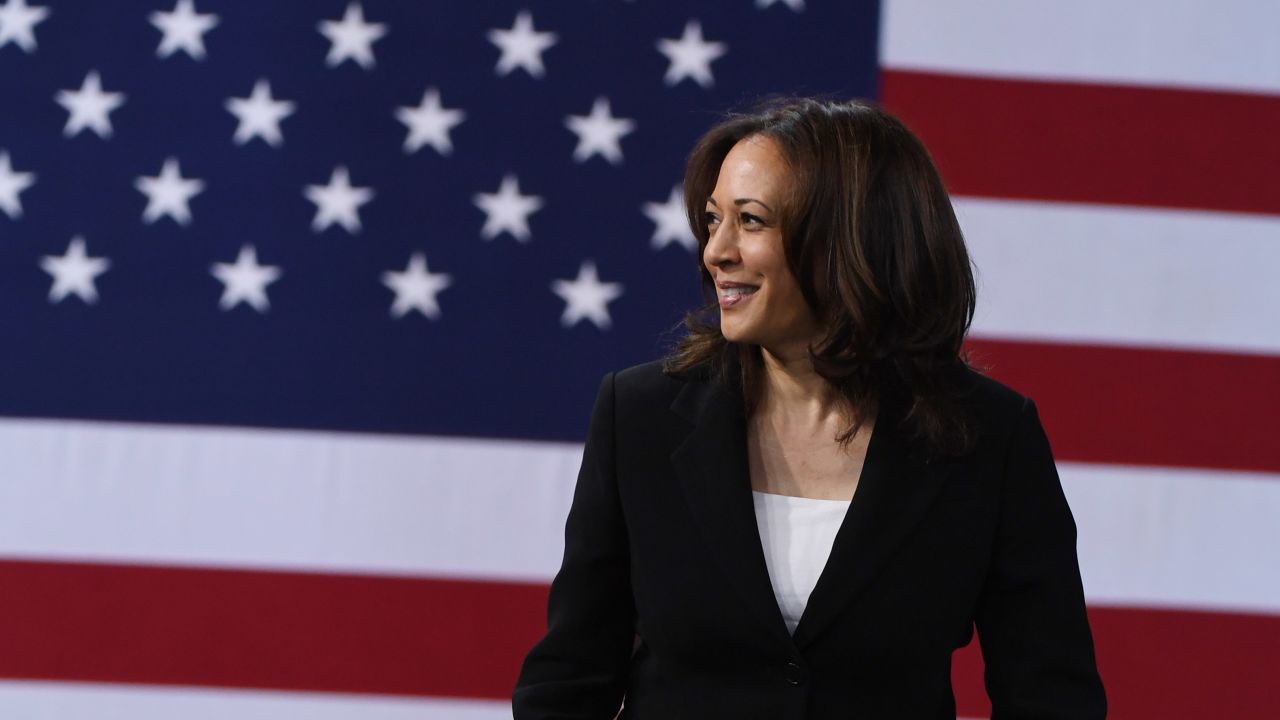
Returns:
point(739, 336)
point(731, 331)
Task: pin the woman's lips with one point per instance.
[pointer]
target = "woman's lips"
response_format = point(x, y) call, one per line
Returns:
point(732, 297)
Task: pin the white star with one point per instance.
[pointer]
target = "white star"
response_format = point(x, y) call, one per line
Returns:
point(338, 201)
point(168, 194)
point(74, 272)
point(671, 223)
point(12, 183)
point(259, 115)
point(599, 133)
point(89, 106)
point(507, 210)
point(18, 22)
point(691, 56)
point(521, 46)
point(416, 288)
point(183, 29)
point(586, 297)
point(245, 280)
point(429, 123)
point(352, 37)
point(797, 5)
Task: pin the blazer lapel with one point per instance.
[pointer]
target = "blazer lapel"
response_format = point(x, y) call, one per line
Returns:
point(713, 472)
point(897, 485)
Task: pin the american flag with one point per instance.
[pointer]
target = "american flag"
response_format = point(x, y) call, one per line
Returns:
point(304, 303)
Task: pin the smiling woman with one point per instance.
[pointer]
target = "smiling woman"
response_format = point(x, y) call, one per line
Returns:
point(841, 207)
point(745, 250)
point(814, 500)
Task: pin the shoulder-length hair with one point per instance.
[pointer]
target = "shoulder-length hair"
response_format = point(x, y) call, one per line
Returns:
point(870, 236)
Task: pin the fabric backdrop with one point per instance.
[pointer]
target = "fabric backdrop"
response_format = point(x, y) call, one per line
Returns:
point(303, 303)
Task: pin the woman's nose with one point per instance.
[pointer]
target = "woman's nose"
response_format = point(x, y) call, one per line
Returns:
point(722, 248)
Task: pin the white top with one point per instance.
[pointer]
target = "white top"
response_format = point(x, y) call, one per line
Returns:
point(797, 534)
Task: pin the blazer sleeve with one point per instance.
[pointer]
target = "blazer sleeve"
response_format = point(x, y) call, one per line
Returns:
point(1031, 619)
point(579, 669)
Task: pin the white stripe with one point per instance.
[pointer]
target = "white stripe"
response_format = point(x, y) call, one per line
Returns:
point(1124, 276)
point(84, 701)
point(91, 701)
point(496, 510)
point(284, 499)
point(1168, 537)
point(1223, 45)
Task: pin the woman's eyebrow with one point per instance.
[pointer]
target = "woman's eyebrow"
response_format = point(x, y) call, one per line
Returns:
point(742, 201)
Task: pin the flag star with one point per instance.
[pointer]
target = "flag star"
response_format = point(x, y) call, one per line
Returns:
point(338, 201)
point(12, 183)
point(691, 56)
point(245, 280)
point(183, 29)
point(599, 133)
point(168, 194)
point(74, 272)
point(352, 37)
point(507, 210)
point(89, 106)
point(429, 123)
point(521, 46)
point(671, 223)
point(586, 297)
point(18, 22)
point(416, 288)
point(259, 115)
point(797, 5)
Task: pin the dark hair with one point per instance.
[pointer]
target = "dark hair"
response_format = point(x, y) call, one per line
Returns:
point(870, 236)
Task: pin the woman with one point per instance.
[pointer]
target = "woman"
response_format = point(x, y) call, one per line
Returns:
point(808, 506)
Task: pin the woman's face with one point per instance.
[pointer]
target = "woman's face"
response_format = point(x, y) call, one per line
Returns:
point(760, 301)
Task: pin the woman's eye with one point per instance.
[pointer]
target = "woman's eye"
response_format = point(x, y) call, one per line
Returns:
point(749, 219)
point(710, 218)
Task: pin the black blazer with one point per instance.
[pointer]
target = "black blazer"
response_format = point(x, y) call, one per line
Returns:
point(664, 596)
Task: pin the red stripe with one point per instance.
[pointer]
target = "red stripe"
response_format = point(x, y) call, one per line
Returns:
point(312, 632)
point(1159, 664)
point(228, 628)
point(1095, 143)
point(1144, 406)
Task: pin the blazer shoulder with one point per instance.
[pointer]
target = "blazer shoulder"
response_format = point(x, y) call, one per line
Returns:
point(993, 402)
point(650, 380)
point(989, 391)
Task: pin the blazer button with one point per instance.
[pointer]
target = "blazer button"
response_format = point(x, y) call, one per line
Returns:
point(793, 673)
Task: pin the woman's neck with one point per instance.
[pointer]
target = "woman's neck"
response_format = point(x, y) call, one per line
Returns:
point(794, 393)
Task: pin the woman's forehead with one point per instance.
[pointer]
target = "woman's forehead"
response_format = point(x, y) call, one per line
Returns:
point(753, 163)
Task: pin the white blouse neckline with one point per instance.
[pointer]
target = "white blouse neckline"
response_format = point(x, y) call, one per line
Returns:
point(796, 534)
point(798, 498)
